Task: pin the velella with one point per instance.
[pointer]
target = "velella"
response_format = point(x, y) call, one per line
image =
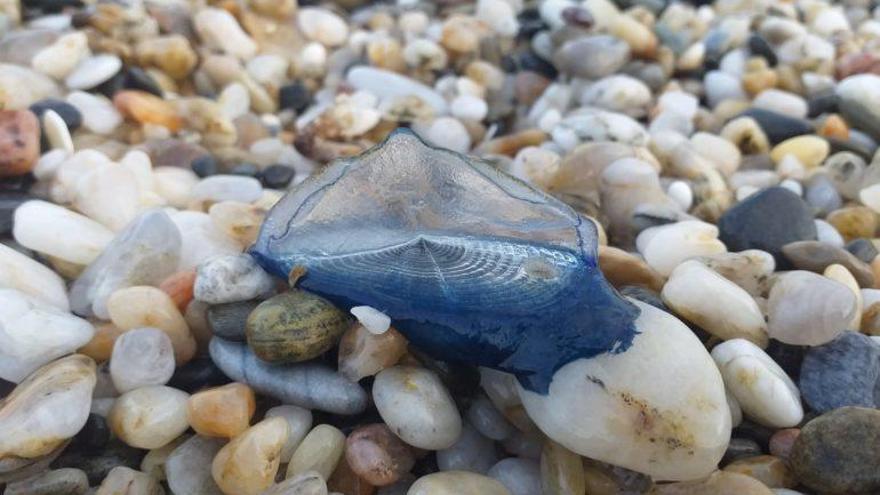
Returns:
point(471, 264)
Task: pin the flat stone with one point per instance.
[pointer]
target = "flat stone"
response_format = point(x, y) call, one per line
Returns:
point(64, 481)
point(862, 249)
point(310, 385)
point(816, 256)
point(767, 220)
point(831, 454)
point(843, 372)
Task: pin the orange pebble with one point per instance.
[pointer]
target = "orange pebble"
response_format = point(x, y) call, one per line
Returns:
point(146, 108)
point(179, 286)
point(223, 411)
point(834, 127)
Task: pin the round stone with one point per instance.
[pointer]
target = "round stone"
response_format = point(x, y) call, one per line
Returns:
point(417, 407)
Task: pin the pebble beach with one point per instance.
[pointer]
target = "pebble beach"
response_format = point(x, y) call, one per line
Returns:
point(411, 247)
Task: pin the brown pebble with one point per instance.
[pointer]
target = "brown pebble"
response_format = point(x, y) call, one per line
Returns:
point(622, 268)
point(362, 353)
point(19, 142)
point(146, 108)
point(854, 222)
point(782, 441)
point(511, 144)
point(768, 469)
point(816, 256)
point(374, 453)
point(857, 63)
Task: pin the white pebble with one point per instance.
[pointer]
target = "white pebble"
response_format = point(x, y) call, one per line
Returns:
point(825, 232)
point(469, 107)
point(665, 246)
point(141, 357)
point(681, 193)
point(445, 132)
point(37, 224)
point(93, 71)
point(372, 319)
point(763, 390)
point(218, 188)
point(219, 29)
point(322, 25)
point(57, 132)
point(99, 114)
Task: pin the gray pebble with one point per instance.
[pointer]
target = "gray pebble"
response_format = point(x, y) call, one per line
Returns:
point(310, 385)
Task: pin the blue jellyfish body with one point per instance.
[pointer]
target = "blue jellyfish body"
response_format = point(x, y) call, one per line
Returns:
point(471, 264)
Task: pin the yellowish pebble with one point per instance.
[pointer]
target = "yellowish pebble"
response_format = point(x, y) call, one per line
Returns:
point(811, 151)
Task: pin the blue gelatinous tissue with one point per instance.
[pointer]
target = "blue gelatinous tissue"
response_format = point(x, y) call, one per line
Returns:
point(471, 264)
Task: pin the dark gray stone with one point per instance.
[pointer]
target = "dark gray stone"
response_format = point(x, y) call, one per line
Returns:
point(862, 249)
point(768, 220)
point(228, 320)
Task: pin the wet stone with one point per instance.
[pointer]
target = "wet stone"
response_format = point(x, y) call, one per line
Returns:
point(221, 412)
point(843, 372)
point(767, 220)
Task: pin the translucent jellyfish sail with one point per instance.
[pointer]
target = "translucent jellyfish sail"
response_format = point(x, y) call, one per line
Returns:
point(472, 264)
